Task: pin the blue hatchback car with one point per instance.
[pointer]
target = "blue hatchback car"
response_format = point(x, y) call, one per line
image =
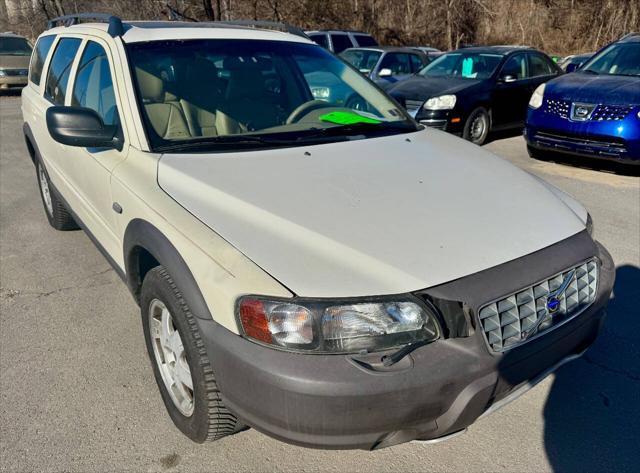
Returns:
point(594, 112)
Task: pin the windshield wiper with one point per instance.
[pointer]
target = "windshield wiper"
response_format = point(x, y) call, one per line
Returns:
point(218, 140)
point(355, 128)
point(589, 71)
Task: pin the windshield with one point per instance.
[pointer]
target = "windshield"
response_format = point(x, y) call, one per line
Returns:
point(362, 59)
point(14, 47)
point(463, 65)
point(247, 92)
point(622, 59)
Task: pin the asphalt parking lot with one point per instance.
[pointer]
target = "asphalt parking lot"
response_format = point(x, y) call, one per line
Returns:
point(77, 391)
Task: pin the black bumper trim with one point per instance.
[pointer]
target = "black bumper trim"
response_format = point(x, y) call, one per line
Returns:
point(327, 401)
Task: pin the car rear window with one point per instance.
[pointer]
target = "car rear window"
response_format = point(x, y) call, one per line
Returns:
point(37, 60)
point(364, 40)
point(55, 89)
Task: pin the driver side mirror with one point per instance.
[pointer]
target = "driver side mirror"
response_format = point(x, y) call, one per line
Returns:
point(82, 127)
point(506, 78)
point(385, 72)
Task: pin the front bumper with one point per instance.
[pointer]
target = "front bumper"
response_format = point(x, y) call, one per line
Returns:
point(351, 401)
point(614, 140)
point(12, 82)
point(447, 120)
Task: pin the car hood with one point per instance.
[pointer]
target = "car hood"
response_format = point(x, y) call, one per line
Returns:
point(14, 62)
point(590, 88)
point(370, 217)
point(422, 88)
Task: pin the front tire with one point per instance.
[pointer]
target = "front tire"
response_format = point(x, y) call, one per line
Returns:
point(476, 128)
point(181, 366)
point(57, 214)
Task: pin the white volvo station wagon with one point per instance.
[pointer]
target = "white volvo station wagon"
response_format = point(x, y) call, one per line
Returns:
point(334, 276)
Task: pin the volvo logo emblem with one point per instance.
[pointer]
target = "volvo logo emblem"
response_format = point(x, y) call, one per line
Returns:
point(553, 303)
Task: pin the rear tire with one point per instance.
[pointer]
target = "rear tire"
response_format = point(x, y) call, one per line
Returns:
point(181, 366)
point(477, 127)
point(56, 212)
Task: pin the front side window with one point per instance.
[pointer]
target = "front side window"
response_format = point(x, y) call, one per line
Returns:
point(463, 65)
point(93, 87)
point(320, 39)
point(242, 92)
point(540, 66)
point(621, 59)
point(416, 63)
point(340, 42)
point(13, 46)
point(37, 60)
point(364, 60)
point(516, 67)
point(398, 64)
point(59, 69)
point(365, 41)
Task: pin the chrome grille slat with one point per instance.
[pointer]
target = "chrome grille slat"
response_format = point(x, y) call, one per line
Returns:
point(413, 104)
point(505, 322)
point(601, 112)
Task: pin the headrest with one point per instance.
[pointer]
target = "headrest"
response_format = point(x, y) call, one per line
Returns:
point(151, 87)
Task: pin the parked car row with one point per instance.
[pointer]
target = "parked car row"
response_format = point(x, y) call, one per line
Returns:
point(474, 90)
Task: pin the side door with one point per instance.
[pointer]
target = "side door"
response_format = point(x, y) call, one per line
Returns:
point(512, 92)
point(90, 173)
point(54, 92)
point(392, 68)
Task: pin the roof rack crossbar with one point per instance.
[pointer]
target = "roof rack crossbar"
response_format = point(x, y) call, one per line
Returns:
point(265, 24)
point(115, 24)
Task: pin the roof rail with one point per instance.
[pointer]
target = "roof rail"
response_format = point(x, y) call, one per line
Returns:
point(115, 24)
point(265, 24)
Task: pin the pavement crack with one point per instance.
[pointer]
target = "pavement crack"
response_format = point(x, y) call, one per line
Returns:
point(13, 293)
point(626, 374)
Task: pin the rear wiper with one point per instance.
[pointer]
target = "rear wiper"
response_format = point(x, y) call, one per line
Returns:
point(218, 140)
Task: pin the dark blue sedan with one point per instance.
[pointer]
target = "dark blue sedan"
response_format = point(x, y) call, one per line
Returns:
point(594, 112)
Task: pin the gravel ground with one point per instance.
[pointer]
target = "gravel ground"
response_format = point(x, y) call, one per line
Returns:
point(77, 392)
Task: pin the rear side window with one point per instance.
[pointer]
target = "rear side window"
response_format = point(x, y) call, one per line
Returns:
point(364, 40)
point(540, 66)
point(93, 87)
point(320, 39)
point(340, 42)
point(58, 76)
point(39, 56)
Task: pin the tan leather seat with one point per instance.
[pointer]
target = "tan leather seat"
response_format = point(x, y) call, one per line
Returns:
point(203, 95)
point(165, 115)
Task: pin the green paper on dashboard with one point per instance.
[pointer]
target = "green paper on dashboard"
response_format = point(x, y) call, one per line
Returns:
point(346, 118)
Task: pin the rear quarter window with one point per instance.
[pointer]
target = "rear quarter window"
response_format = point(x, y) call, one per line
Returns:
point(38, 58)
point(364, 40)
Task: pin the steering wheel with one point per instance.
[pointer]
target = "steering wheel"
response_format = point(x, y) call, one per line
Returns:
point(305, 108)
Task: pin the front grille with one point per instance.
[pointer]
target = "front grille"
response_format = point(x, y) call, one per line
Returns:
point(557, 107)
point(561, 108)
point(610, 112)
point(413, 104)
point(520, 316)
point(16, 72)
point(439, 124)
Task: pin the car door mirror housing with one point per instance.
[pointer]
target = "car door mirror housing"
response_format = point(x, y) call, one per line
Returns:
point(82, 127)
point(506, 78)
point(385, 72)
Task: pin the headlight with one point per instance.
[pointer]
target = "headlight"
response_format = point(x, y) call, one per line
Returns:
point(325, 326)
point(320, 93)
point(589, 224)
point(537, 97)
point(443, 102)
